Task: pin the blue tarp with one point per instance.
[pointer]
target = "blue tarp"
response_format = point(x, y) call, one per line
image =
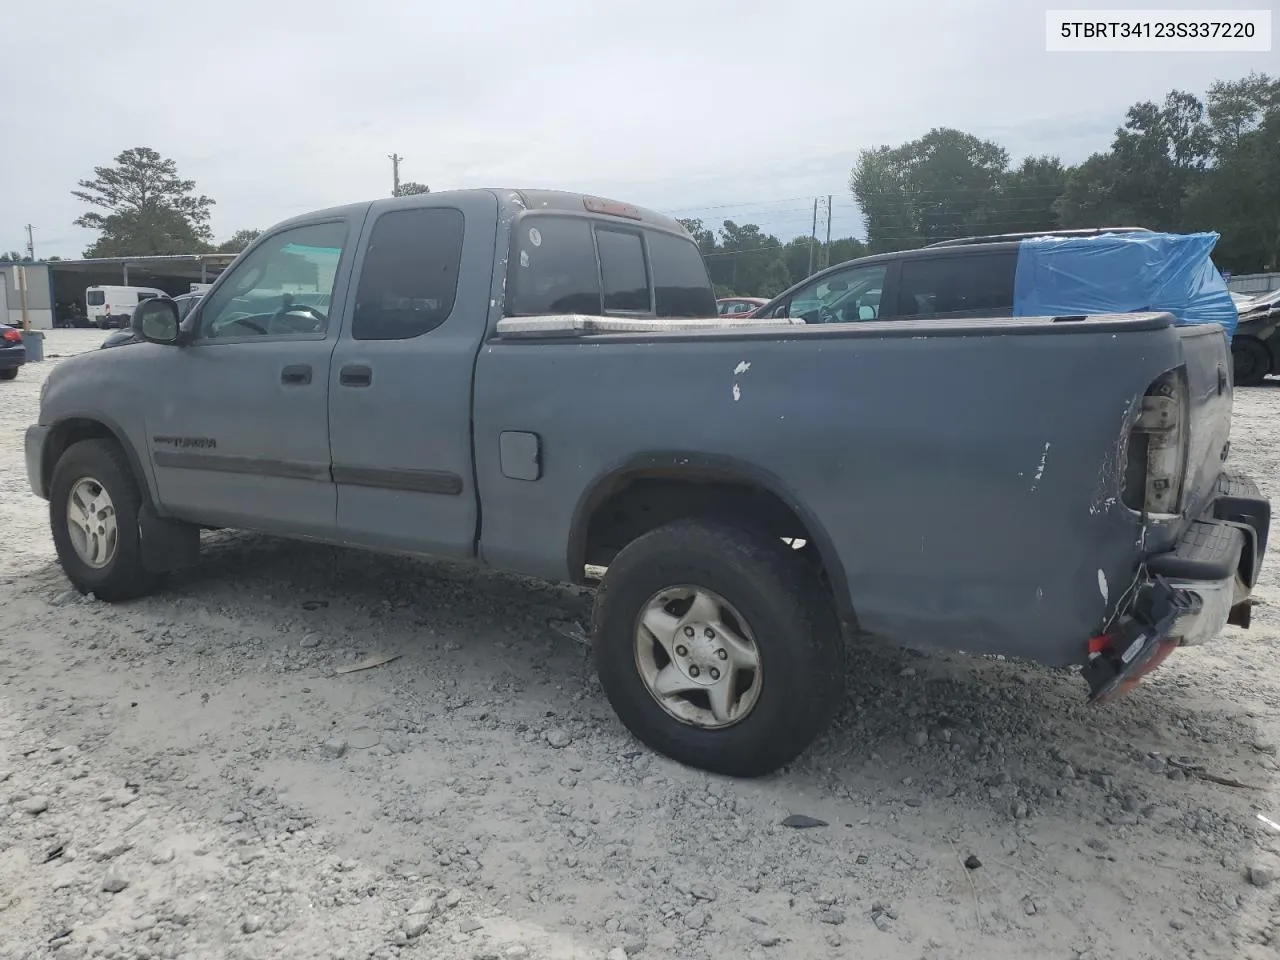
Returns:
point(1123, 273)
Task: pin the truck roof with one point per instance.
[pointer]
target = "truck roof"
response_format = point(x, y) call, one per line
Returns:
point(517, 199)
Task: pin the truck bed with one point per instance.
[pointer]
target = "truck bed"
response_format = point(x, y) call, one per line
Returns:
point(956, 469)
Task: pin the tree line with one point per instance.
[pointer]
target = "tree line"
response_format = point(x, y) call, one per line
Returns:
point(1184, 164)
point(141, 207)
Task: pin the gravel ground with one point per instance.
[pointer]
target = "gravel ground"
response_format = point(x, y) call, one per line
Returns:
point(195, 775)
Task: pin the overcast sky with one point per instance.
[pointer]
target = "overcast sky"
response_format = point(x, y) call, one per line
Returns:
point(711, 108)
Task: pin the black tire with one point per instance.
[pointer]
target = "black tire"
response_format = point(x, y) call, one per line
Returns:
point(8, 373)
point(797, 636)
point(1250, 360)
point(123, 577)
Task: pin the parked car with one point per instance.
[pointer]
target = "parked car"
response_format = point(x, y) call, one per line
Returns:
point(966, 278)
point(1255, 348)
point(738, 306)
point(184, 303)
point(536, 381)
point(113, 306)
point(13, 352)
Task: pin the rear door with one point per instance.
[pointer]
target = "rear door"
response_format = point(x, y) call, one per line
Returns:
point(956, 285)
point(400, 387)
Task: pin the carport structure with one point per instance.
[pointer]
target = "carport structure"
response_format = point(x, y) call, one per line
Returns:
point(172, 274)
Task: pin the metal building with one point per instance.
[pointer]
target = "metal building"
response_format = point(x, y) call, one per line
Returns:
point(54, 287)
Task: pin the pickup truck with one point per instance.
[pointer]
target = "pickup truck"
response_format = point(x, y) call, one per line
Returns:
point(536, 381)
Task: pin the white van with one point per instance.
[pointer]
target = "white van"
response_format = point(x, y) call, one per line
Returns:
point(113, 306)
point(201, 288)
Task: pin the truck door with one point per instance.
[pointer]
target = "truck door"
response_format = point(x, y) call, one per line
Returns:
point(400, 386)
point(238, 427)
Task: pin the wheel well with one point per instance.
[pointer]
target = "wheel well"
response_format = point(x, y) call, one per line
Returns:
point(72, 431)
point(632, 505)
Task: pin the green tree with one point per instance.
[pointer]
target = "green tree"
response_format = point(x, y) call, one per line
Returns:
point(1236, 108)
point(704, 238)
point(144, 208)
point(1186, 165)
point(1027, 201)
point(796, 257)
point(239, 240)
point(846, 248)
point(1090, 196)
point(410, 188)
point(945, 184)
point(1160, 152)
point(1238, 194)
point(749, 261)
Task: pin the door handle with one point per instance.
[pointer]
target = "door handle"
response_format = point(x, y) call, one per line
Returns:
point(297, 374)
point(355, 375)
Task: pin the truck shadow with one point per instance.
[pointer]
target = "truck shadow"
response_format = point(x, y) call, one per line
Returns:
point(1012, 737)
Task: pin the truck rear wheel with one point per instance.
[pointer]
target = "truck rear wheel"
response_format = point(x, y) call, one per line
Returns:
point(94, 502)
point(718, 647)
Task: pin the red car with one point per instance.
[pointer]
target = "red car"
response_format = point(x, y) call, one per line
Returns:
point(738, 306)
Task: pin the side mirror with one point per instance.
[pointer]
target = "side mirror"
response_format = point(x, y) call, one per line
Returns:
point(866, 313)
point(156, 320)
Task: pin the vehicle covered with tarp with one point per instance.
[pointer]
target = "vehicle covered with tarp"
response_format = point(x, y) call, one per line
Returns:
point(1128, 272)
point(1061, 274)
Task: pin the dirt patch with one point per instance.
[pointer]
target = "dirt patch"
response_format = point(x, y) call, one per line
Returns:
point(193, 775)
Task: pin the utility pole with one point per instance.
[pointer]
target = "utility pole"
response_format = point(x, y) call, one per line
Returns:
point(826, 254)
point(31, 244)
point(395, 159)
point(813, 235)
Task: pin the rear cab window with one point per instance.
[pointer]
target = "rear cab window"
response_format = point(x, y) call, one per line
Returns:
point(562, 264)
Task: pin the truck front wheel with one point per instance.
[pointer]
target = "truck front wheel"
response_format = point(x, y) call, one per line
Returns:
point(94, 501)
point(718, 647)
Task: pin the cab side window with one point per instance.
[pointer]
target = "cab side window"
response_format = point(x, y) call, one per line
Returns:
point(410, 274)
point(957, 286)
point(282, 288)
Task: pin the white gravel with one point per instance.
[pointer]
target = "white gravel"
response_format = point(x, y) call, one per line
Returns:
point(190, 776)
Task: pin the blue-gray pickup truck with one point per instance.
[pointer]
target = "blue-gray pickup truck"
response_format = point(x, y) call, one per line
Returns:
point(536, 381)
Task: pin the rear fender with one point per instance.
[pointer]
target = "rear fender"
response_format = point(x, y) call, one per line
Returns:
point(675, 465)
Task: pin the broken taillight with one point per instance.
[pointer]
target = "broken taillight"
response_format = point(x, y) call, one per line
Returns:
point(1158, 440)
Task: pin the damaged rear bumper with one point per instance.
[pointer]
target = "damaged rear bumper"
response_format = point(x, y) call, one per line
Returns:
point(1187, 595)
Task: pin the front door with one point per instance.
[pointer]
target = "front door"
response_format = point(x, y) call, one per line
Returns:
point(400, 384)
point(239, 433)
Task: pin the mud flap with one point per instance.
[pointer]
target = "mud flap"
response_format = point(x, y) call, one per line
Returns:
point(1118, 660)
point(167, 544)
